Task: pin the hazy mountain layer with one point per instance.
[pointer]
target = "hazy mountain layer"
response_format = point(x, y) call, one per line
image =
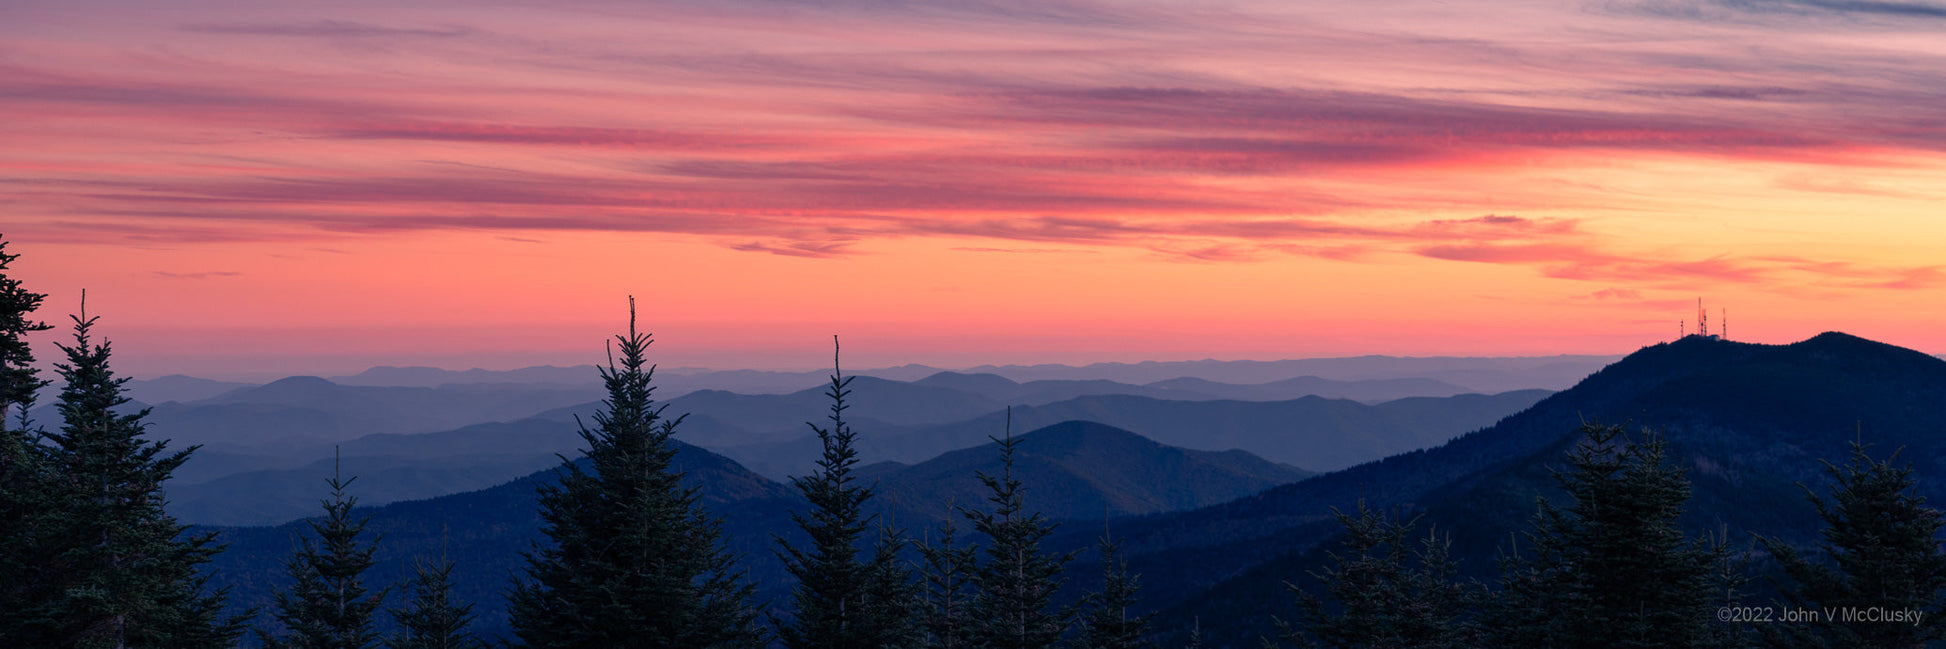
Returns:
point(1082, 470)
point(1311, 432)
point(1086, 469)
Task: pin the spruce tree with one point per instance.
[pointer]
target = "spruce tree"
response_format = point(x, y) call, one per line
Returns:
point(840, 601)
point(1389, 589)
point(1612, 569)
point(19, 380)
point(1108, 624)
point(432, 620)
point(25, 480)
point(124, 573)
point(1881, 552)
point(946, 590)
point(328, 605)
point(1014, 587)
point(631, 559)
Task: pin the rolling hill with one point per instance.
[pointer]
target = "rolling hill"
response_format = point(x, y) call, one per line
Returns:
point(1079, 468)
point(1311, 432)
point(1082, 470)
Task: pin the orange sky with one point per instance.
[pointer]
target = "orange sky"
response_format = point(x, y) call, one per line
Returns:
point(316, 187)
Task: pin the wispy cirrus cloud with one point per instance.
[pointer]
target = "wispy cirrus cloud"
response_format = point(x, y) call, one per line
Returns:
point(198, 275)
point(1226, 133)
point(324, 29)
point(1588, 261)
point(816, 249)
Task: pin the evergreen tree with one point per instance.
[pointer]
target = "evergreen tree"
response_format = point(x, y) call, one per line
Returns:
point(328, 606)
point(123, 572)
point(840, 601)
point(25, 481)
point(1014, 587)
point(1882, 547)
point(433, 620)
point(19, 380)
point(1390, 590)
point(1613, 569)
point(1108, 624)
point(633, 560)
point(894, 603)
point(946, 591)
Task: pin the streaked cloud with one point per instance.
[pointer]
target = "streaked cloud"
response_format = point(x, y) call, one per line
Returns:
point(198, 275)
point(323, 29)
point(1617, 152)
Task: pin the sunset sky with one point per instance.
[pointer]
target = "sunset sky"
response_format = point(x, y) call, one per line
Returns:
point(268, 188)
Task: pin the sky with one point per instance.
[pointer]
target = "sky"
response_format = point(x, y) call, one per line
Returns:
point(263, 189)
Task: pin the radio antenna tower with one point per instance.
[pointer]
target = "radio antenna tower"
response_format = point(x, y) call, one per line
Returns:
point(1702, 319)
point(1723, 324)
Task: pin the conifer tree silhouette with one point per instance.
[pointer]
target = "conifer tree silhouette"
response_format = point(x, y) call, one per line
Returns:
point(631, 559)
point(1108, 624)
point(1388, 588)
point(946, 590)
point(1882, 551)
point(432, 620)
point(1014, 586)
point(1612, 569)
point(328, 605)
point(841, 601)
point(27, 494)
point(123, 572)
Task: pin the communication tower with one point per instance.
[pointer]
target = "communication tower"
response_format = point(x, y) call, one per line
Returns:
point(1702, 319)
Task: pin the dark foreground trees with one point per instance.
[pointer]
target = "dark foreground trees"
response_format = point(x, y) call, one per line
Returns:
point(631, 559)
point(945, 585)
point(26, 495)
point(1013, 603)
point(432, 620)
point(1612, 569)
point(842, 601)
point(1110, 621)
point(1389, 587)
point(1881, 555)
point(328, 605)
point(111, 568)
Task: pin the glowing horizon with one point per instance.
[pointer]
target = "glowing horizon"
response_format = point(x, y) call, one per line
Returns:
point(312, 186)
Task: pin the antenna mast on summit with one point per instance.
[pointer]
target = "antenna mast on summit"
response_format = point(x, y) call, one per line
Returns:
point(1723, 324)
point(1702, 319)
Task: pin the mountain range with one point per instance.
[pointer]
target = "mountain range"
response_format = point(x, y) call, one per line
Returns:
point(226, 485)
point(1477, 374)
point(1076, 470)
point(1311, 432)
point(1749, 423)
point(262, 445)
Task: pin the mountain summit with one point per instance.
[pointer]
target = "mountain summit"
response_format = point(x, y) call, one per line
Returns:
point(1747, 421)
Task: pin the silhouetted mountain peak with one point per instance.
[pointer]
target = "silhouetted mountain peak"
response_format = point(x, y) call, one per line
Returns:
point(289, 390)
point(990, 385)
point(1751, 421)
point(1083, 470)
point(300, 383)
point(1839, 344)
point(1076, 437)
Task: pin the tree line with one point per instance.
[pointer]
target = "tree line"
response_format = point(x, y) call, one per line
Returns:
point(629, 557)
